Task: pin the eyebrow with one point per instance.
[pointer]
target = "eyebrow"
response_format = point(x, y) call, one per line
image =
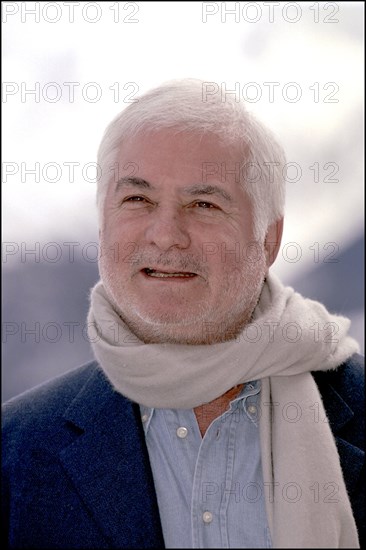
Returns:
point(133, 182)
point(193, 190)
point(200, 189)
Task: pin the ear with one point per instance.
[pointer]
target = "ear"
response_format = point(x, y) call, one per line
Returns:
point(273, 241)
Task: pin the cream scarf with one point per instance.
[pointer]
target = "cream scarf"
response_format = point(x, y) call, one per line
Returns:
point(306, 499)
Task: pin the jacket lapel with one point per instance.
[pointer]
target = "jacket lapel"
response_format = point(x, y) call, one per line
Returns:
point(109, 466)
point(339, 415)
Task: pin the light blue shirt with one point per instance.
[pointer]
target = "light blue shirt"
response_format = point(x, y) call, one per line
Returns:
point(210, 490)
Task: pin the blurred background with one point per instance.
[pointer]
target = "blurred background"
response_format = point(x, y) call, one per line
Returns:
point(69, 68)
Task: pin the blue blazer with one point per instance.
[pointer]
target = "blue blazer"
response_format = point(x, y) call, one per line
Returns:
point(76, 471)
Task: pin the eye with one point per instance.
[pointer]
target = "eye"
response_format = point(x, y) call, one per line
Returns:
point(205, 205)
point(135, 198)
point(135, 201)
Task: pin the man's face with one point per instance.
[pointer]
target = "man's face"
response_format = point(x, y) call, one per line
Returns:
point(177, 253)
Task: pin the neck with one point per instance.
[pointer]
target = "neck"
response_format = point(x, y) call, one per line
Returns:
point(207, 412)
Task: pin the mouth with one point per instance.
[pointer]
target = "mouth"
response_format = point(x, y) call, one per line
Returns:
point(168, 274)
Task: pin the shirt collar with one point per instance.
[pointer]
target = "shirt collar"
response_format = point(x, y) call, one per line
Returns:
point(249, 389)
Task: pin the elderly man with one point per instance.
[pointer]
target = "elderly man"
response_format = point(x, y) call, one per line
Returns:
point(223, 409)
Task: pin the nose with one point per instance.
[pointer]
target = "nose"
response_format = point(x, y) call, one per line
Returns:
point(167, 229)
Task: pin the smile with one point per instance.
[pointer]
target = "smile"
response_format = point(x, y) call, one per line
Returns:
point(165, 274)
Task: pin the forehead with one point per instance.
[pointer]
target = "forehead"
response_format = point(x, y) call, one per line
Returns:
point(169, 153)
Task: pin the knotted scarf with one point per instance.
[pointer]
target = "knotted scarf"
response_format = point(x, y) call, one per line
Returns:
point(289, 336)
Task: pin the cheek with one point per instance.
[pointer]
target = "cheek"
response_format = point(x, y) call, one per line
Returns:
point(224, 274)
point(120, 242)
point(229, 255)
point(117, 231)
point(238, 265)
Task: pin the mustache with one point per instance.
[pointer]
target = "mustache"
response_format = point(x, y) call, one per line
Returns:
point(180, 262)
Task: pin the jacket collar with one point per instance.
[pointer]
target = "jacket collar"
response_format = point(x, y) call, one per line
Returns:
point(109, 466)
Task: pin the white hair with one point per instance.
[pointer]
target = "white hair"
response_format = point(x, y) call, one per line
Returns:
point(191, 106)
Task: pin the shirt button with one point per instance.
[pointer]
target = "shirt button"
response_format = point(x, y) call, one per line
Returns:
point(144, 417)
point(182, 432)
point(252, 409)
point(207, 517)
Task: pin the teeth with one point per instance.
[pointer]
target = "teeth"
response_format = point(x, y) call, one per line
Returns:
point(157, 274)
point(152, 273)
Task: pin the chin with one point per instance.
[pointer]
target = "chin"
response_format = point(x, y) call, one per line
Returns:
point(178, 330)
